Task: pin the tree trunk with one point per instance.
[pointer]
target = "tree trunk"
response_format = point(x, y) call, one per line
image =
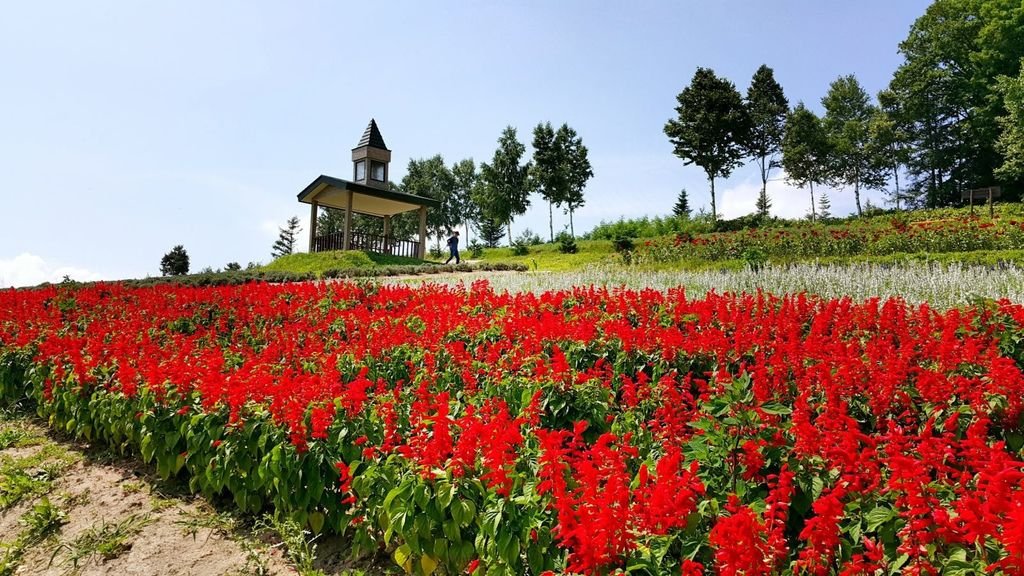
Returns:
point(714, 213)
point(509, 233)
point(466, 223)
point(572, 232)
point(551, 222)
point(856, 196)
point(896, 176)
point(764, 188)
point(814, 214)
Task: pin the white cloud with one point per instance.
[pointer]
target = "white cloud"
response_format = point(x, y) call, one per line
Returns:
point(29, 270)
point(787, 201)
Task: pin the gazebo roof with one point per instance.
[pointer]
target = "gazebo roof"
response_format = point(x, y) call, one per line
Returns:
point(332, 192)
point(371, 137)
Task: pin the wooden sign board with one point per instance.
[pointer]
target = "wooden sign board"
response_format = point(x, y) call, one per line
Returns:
point(981, 193)
point(984, 194)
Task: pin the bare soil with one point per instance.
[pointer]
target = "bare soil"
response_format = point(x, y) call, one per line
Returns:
point(120, 519)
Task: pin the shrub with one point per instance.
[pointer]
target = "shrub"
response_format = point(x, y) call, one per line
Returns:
point(476, 249)
point(566, 243)
point(529, 238)
point(623, 244)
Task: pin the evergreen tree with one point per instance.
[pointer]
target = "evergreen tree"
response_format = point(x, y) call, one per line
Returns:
point(175, 262)
point(233, 267)
point(824, 206)
point(710, 128)
point(767, 107)
point(285, 243)
point(805, 150)
point(682, 207)
point(491, 232)
point(505, 192)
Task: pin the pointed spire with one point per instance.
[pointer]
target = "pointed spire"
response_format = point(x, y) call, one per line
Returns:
point(371, 137)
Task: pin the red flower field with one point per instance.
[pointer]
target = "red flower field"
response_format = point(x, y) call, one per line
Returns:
point(585, 431)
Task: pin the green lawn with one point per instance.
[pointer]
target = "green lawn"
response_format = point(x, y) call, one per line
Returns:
point(547, 257)
point(319, 262)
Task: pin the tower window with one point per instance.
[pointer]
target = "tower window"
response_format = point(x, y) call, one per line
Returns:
point(377, 171)
point(360, 170)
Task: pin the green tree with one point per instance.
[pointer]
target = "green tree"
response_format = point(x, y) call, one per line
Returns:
point(805, 150)
point(233, 267)
point(824, 206)
point(577, 170)
point(889, 141)
point(682, 207)
point(1011, 141)
point(505, 192)
point(466, 181)
point(175, 262)
point(766, 107)
point(285, 243)
point(491, 232)
point(710, 128)
point(431, 178)
point(848, 113)
point(547, 170)
point(947, 92)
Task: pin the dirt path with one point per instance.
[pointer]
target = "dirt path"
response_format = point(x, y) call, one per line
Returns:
point(66, 508)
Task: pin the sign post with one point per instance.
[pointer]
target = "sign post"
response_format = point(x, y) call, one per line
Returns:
point(988, 194)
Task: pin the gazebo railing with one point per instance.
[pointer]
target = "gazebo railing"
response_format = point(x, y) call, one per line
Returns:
point(369, 243)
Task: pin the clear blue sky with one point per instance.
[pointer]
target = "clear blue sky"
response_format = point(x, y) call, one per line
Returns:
point(129, 127)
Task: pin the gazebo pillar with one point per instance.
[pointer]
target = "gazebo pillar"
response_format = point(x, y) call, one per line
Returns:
point(313, 207)
point(423, 233)
point(387, 235)
point(348, 222)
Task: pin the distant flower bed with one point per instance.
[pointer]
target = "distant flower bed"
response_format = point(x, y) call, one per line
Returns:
point(586, 431)
point(871, 237)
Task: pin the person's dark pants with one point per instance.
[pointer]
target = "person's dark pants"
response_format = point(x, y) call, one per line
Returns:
point(454, 254)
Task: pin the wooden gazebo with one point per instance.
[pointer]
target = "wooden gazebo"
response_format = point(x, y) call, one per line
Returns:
point(366, 194)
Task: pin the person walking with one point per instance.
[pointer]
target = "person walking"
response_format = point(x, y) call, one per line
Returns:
point(453, 247)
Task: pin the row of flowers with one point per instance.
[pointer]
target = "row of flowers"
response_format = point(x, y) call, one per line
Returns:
point(579, 431)
point(895, 236)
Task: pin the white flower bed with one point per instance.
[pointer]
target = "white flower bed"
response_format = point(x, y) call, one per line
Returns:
point(916, 282)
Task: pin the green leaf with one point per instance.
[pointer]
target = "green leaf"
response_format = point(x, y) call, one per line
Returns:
point(403, 558)
point(776, 408)
point(878, 516)
point(535, 558)
point(147, 448)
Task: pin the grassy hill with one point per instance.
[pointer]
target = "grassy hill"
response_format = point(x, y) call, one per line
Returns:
point(319, 262)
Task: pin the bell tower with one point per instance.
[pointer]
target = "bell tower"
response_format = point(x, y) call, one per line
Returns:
point(370, 159)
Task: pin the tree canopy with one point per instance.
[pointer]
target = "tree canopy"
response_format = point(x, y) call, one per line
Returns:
point(710, 128)
point(805, 150)
point(505, 192)
point(767, 108)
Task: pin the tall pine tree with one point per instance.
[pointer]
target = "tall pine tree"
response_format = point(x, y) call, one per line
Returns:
point(682, 207)
point(285, 243)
